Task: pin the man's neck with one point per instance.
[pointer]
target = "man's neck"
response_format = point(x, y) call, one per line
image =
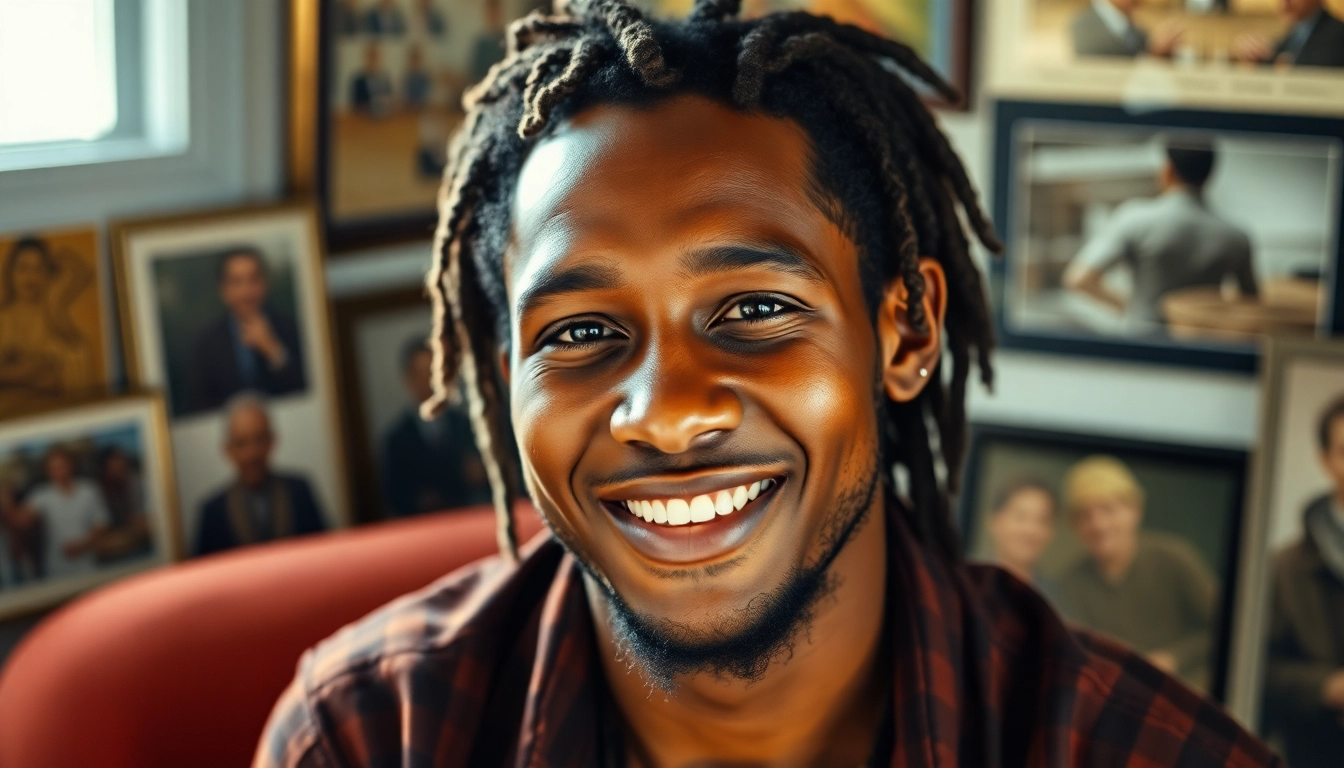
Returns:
point(821, 705)
point(1115, 569)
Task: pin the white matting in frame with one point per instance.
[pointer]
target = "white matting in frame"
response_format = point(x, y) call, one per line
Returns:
point(1031, 56)
point(305, 420)
point(134, 425)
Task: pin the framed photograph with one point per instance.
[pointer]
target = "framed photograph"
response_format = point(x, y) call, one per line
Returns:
point(1135, 540)
point(376, 90)
point(940, 30)
point(1243, 55)
point(401, 464)
point(226, 312)
point(86, 496)
point(53, 319)
point(1290, 622)
point(1173, 237)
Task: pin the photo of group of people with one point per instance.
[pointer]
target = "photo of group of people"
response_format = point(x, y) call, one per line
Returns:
point(1221, 53)
point(1131, 540)
point(52, 343)
point(1162, 237)
point(82, 499)
point(227, 313)
point(404, 465)
point(397, 70)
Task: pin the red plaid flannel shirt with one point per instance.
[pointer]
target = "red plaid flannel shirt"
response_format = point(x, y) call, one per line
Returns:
point(496, 666)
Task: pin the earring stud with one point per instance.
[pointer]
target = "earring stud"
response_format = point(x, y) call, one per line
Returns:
point(923, 373)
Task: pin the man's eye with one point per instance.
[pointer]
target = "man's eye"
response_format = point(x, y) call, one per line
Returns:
point(583, 332)
point(756, 308)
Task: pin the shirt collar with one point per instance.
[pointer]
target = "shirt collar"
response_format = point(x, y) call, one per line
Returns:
point(1117, 22)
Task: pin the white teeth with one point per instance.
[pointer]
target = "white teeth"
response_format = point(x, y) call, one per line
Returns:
point(678, 512)
point(700, 509)
point(723, 503)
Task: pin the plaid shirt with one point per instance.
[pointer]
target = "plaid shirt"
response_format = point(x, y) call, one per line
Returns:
point(497, 666)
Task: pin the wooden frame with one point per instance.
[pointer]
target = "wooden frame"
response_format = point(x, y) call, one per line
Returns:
point(976, 494)
point(78, 421)
point(1012, 204)
point(311, 412)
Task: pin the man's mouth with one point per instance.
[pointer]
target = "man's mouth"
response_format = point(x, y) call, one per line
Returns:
point(695, 520)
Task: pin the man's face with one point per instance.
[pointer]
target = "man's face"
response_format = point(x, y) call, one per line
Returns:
point(418, 377)
point(1298, 10)
point(1332, 458)
point(59, 468)
point(1108, 527)
point(1023, 527)
point(242, 287)
point(688, 329)
point(249, 444)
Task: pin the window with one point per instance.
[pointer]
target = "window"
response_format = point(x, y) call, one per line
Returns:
point(86, 81)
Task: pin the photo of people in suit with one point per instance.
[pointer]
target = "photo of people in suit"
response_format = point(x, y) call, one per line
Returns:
point(1131, 540)
point(1108, 28)
point(51, 319)
point(1169, 236)
point(260, 503)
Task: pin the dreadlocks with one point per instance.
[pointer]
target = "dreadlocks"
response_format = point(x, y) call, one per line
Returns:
point(883, 172)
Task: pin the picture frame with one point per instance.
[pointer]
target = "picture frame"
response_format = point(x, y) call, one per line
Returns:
point(55, 317)
point(434, 465)
point(110, 513)
point(1301, 383)
point(1075, 182)
point(1064, 51)
point(1173, 479)
point(365, 142)
point(226, 312)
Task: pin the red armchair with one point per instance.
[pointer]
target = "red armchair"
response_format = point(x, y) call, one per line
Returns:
point(179, 667)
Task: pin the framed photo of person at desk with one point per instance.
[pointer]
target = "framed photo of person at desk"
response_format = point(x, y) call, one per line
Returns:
point(1133, 539)
point(1288, 668)
point(376, 89)
point(1244, 55)
point(226, 312)
point(86, 497)
point(1175, 237)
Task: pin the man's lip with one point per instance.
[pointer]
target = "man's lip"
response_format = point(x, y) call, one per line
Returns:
point(681, 545)
point(685, 486)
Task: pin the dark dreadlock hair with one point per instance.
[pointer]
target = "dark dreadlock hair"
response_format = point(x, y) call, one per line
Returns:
point(883, 172)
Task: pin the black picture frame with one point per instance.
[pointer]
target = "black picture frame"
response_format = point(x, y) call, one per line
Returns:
point(1233, 461)
point(1010, 116)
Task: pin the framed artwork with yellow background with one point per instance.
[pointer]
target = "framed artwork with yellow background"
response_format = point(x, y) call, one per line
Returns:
point(53, 319)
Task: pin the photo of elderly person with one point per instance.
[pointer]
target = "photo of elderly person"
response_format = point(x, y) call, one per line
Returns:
point(1149, 590)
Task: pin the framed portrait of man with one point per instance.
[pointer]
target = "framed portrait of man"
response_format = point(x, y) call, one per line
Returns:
point(226, 312)
point(377, 89)
point(401, 464)
point(1176, 237)
point(1283, 56)
point(1290, 622)
point(1133, 539)
point(86, 497)
point(53, 318)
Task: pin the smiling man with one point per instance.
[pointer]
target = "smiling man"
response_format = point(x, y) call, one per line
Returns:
point(703, 274)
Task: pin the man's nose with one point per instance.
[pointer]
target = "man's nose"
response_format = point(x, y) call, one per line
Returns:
point(673, 404)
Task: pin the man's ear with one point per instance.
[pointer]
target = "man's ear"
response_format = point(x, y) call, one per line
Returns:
point(909, 357)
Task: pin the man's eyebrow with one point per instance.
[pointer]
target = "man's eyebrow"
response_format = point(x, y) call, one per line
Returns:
point(730, 257)
point(553, 283)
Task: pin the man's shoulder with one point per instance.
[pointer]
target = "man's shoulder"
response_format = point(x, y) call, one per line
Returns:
point(1110, 706)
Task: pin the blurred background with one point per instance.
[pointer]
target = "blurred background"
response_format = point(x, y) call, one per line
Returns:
point(215, 221)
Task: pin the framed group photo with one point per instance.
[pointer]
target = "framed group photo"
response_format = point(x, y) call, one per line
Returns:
point(1133, 539)
point(1174, 237)
point(1262, 56)
point(86, 497)
point(401, 464)
point(54, 317)
point(226, 313)
point(1290, 624)
point(377, 88)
